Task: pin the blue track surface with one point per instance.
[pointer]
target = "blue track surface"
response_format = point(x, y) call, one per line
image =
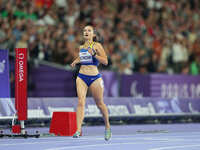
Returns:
point(133, 137)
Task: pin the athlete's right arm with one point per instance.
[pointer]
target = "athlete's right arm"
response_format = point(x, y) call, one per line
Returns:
point(76, 61)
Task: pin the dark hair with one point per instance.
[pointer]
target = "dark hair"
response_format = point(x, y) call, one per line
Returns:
point(97, 37)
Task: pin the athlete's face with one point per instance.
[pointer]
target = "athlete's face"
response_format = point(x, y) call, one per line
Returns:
point(88, 33)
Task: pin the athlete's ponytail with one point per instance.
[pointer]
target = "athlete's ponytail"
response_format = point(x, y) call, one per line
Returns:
point(97, 37)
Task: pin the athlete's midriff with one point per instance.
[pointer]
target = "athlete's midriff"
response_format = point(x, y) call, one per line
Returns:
point(89, 70)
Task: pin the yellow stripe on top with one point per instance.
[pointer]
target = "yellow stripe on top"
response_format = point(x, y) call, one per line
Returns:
point(92, 44)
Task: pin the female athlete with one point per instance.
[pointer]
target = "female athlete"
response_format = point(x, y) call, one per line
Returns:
point(90, 54)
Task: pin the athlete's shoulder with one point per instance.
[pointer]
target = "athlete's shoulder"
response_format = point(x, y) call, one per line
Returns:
point(97, 44)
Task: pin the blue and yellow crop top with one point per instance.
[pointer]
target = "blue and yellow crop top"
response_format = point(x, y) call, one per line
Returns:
point(86, 58)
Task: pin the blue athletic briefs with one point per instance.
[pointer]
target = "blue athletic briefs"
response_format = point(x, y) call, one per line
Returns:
point(88, 79)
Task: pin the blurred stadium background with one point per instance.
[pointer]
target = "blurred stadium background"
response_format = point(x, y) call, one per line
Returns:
point(153, 46)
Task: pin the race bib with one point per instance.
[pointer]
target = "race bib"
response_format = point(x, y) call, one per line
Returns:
point(85, 57)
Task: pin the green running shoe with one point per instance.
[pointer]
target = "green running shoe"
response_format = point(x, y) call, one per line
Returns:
point(77, 134)
point(108, 134)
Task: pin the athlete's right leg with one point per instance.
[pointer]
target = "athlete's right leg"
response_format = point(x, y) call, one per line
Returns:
point(81, 88)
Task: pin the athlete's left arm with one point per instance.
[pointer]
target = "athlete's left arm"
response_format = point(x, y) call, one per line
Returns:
point(100, 54)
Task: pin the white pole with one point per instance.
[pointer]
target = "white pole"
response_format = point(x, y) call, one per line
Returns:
point(22, 126)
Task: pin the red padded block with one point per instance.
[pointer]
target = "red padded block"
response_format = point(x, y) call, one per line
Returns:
point(16, 129)
point(63, 123)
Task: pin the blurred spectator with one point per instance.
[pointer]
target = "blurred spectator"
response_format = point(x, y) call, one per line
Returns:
point(185, 69)
point(179, 54)
point(3, 36)
point(195, 66)
point(23, 42)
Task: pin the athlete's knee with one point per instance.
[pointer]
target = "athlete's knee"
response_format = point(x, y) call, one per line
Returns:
point(100, 105)
point(81, 103)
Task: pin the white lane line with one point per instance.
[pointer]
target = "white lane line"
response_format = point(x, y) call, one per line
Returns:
point(175, 147)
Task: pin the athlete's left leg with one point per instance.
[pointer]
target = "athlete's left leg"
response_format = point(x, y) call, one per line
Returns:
point(97, 89)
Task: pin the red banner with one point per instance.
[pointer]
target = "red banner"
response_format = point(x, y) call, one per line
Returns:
point(21, 83)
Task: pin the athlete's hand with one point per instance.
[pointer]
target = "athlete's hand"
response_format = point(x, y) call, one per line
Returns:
point(91, 51)
point(73, 64)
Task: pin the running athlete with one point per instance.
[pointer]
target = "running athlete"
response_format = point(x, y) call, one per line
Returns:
point(90, 54)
